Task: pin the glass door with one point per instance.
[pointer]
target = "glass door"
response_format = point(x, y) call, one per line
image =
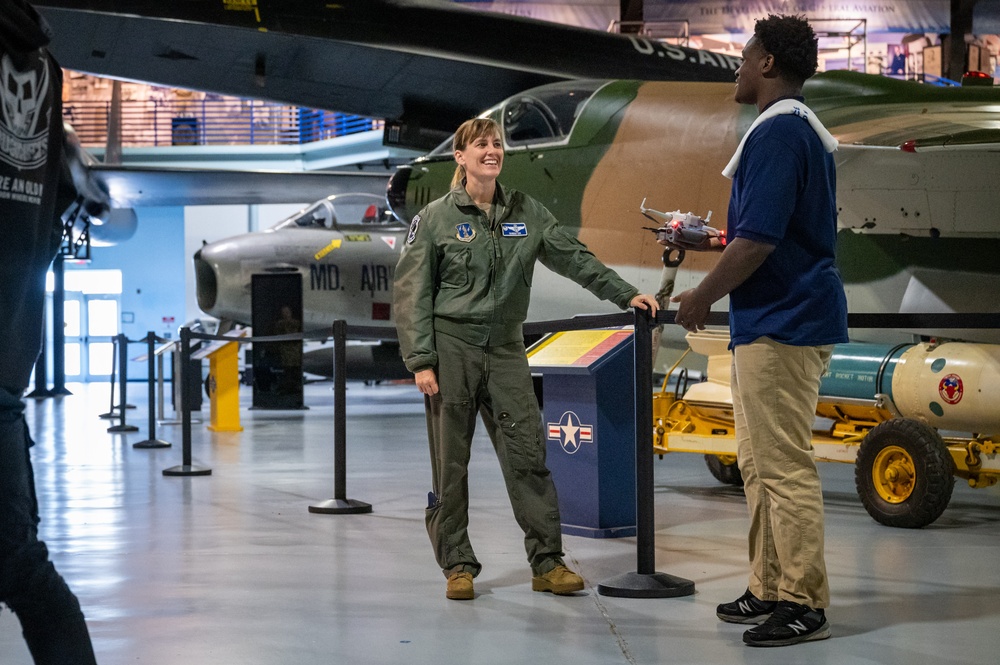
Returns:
point(102, 326)
point(73, 331)
point(92, 310)
point(90, 327)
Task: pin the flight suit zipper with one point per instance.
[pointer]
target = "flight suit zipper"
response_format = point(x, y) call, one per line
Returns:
point(495, 261)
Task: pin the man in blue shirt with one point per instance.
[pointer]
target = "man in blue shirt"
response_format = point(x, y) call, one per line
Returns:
point(787, 309)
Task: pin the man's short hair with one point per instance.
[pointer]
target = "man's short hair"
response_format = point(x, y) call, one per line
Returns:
point(792, 42)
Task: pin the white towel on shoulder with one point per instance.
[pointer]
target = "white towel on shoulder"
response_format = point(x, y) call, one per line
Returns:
point(779, 108)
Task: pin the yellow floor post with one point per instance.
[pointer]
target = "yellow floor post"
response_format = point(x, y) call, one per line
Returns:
point(223, 389)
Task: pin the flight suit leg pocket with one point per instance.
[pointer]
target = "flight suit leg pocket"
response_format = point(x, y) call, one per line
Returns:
point(525, 451)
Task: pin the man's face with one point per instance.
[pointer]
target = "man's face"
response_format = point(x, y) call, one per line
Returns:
point(751, 72)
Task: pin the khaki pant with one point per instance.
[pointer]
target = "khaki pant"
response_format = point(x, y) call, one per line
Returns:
point(775, 387)
point(495, 383)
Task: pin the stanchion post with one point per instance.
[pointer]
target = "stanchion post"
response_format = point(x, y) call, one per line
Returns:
point(152, 441)
point(186, 468)
point(41, 390)
point(645, 582)
point(58, 327)
point(159, 387)
point(114, 372)
point(122, 380)
point(340, 504)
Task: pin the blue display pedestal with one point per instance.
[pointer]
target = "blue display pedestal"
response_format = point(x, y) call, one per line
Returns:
point(588, 412)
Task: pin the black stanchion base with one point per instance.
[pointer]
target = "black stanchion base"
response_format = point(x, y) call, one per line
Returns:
point(194, 421)
point(110, 415)
point(341, 507)
point(640, 585)
point(60, 392)
point(187, 470)
point(40, 394)
point(123, 428)
point(279, 408)
point(151, 443)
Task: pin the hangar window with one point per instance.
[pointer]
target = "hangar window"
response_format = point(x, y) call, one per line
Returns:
point(546, 114)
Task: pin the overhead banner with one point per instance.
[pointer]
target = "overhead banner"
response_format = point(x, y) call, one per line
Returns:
point(719, 16)
point(722, 16)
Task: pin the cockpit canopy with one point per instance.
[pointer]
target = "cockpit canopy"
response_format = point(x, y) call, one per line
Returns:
point(342, 211)
point(538, 117)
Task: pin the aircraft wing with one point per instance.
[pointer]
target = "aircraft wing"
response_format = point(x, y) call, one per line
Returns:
point(921, 160)
point(430, 63)
point(137, 186)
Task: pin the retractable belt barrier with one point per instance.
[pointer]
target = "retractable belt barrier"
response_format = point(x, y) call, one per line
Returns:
point(152, 377)
point(645, 582)
point(187, 336)
point(120, 347)
point(111, 413)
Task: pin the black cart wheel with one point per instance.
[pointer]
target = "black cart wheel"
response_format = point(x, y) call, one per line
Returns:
point(904, 474)
point(724, 469)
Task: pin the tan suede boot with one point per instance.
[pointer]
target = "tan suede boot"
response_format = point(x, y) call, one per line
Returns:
point(560, 581)
point(460, 586)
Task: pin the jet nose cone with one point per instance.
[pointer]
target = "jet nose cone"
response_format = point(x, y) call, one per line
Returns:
point(395, 194)
point(207, 286)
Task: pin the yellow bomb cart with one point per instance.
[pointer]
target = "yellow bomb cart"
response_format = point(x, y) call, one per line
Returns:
point(899, 413)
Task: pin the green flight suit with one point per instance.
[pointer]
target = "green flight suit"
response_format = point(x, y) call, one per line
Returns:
point(460, 294)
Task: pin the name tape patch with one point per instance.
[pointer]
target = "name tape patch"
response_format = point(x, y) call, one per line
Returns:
point(514, 229)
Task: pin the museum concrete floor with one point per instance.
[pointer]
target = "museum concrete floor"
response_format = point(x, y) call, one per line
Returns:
point(232, 567)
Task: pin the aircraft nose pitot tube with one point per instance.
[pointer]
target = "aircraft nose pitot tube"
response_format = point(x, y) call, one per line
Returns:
point(951, 386)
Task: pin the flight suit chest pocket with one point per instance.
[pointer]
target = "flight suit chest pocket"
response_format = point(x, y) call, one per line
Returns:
point(455, 269)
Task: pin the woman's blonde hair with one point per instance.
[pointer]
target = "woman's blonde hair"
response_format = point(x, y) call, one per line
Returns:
point(467, 132)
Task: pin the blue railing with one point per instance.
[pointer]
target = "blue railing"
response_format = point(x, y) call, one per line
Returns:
point(210, 122)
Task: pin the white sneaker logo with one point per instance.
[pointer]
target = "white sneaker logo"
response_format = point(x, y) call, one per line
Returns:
point(797, 627)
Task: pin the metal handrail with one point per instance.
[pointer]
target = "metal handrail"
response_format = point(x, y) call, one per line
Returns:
point(210, 122)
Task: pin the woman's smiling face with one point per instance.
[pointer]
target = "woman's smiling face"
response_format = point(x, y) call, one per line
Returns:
point(482, 157)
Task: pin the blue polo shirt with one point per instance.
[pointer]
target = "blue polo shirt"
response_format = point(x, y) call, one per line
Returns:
point(784, 194)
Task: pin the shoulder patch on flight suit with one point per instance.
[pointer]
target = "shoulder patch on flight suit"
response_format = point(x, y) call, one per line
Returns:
point(465, 232)
point(514, 229)
point(413, 230)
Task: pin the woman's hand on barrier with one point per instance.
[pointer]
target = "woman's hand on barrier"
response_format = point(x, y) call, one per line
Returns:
point(644, 301)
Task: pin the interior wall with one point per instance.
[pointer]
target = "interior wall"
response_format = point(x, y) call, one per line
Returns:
point(152, 297)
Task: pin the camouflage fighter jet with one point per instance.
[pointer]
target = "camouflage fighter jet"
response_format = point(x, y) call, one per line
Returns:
point(917, 192)
point(632, 120)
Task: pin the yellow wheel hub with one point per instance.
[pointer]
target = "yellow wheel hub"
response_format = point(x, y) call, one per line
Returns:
point(893, 474)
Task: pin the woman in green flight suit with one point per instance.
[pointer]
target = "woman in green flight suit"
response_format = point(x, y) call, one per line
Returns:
point(461, 292)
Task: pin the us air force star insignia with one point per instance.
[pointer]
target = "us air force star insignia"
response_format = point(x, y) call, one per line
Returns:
point(465, 232)
point(514, 229)
point(413, 230)
point(570, 432)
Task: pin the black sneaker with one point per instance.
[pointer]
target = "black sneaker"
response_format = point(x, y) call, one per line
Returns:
point(790, 623)
point(748, 608)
